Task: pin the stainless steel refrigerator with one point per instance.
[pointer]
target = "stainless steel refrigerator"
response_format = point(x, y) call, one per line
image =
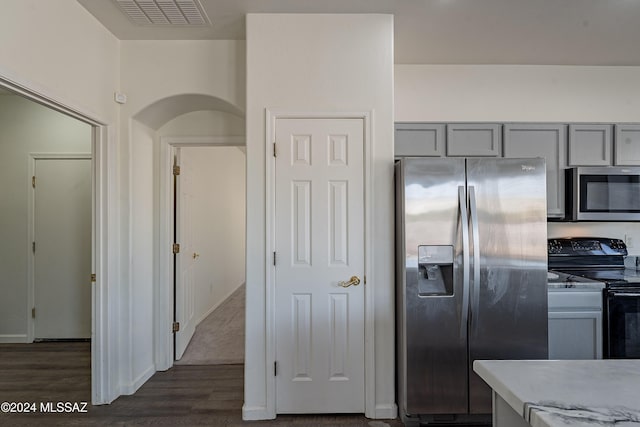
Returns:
point(471, 278)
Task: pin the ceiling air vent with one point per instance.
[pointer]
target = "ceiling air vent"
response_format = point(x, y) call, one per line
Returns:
point(164, 12)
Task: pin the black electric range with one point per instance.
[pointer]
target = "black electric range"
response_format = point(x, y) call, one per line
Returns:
point(602, 259)
point(595, 258)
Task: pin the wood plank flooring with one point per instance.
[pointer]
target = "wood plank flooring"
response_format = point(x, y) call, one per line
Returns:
point(183, 396)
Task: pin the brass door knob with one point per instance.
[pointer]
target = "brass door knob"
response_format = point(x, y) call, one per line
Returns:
point(355, 281)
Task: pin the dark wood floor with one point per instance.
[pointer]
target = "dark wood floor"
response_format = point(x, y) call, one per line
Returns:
point(182, 396)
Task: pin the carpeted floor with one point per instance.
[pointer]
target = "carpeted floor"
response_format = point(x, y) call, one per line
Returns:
point(219, 339)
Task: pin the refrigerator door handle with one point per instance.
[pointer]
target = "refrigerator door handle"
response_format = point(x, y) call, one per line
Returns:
point(476, 251)
point(464, 218)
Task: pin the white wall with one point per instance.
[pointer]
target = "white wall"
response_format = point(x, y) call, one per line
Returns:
point(138, 312)
point(325, 63)
point(204, 123)
point(516, 93)
point(218, 223)
point(59, 47)
point(25, 127)
point(524, 94)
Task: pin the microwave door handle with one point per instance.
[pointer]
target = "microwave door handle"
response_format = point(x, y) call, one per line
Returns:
point(625, 294)
point(464, 225)
point(475, 237)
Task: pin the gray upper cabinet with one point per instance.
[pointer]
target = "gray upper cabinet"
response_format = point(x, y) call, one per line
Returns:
point(478, 139)
point(542, 140)
point(419, 139)
point(590, 145)
point(627, 145)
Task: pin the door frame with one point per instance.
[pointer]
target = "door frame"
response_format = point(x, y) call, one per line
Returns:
point(31, 233)
point(271, 116)
point(104, 233)
point(163, 295)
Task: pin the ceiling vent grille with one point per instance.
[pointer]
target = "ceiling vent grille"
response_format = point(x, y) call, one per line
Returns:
point(164, 12)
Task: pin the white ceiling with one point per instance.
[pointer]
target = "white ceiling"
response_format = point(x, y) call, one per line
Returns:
point(545, 32)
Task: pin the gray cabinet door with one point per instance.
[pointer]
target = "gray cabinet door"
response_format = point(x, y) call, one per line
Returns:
point(627, 145)
point(575, 335)
point(590, 145)
point(474, 140)
point(548, 141)
point(419, 139)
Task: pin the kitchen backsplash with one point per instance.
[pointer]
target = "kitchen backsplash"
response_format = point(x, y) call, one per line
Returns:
point(627, 231)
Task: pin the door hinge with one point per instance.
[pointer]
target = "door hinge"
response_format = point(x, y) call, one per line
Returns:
point(274, 150)
point(33, 313)
point(33, 247)
point(176, 170)
point(275, 369)
point(274, 258)
point(176, 248)
point(33, 181)
point(365, 279)
point(93, 277)
point(175, 327)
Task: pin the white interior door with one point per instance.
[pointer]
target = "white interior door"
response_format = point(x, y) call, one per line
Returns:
point(185, 259)
point(62, 256)
point(319, 242)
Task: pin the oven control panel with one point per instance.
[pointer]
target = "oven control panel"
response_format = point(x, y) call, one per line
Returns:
point(578, 246)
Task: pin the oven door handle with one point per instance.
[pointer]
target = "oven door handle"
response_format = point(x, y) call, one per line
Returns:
point(624, 294)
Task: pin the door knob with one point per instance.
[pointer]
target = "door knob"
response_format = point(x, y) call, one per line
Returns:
point(355, 281)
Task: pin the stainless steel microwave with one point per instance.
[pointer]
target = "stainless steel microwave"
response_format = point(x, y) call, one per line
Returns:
point(603, 193)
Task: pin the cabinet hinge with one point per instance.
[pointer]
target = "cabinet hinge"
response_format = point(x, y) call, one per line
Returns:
point(93, 277)
point(274, 150)
point(176, 248)
point(275, 369)
point(33, 247)
point(33, 313)
point(175, 327)
point(176, 170)
point(33, 181)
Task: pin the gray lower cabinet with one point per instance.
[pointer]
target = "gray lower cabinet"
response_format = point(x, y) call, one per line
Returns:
point(474, 140)
point(590, 145)
point(419, 139)
point(627, 145)
point(548, 141)
point(575, 324)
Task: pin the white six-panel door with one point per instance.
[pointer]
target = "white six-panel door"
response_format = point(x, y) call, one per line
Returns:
point(319, 242)
point(62, 252)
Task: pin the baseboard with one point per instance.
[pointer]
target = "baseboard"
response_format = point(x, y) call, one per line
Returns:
point(13, 339)
point(387, 411)
point(133, 386)
point(255, 413)
point(212, 309)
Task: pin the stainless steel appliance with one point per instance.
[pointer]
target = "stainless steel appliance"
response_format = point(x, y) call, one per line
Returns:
point(471, 278)
point(602, 259)
point(603, 193)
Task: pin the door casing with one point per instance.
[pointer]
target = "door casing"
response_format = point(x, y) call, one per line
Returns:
point(270, 286)
point(105, 205)
point(163, 295)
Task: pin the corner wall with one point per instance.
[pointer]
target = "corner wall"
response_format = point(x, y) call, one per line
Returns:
point(319, 63)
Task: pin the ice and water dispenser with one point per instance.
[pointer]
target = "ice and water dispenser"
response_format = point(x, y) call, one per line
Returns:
point(435, 270)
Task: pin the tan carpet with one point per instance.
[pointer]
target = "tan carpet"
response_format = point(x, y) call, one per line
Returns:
point(219, 339)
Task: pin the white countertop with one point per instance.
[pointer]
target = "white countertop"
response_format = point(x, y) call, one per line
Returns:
point(565, 393)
